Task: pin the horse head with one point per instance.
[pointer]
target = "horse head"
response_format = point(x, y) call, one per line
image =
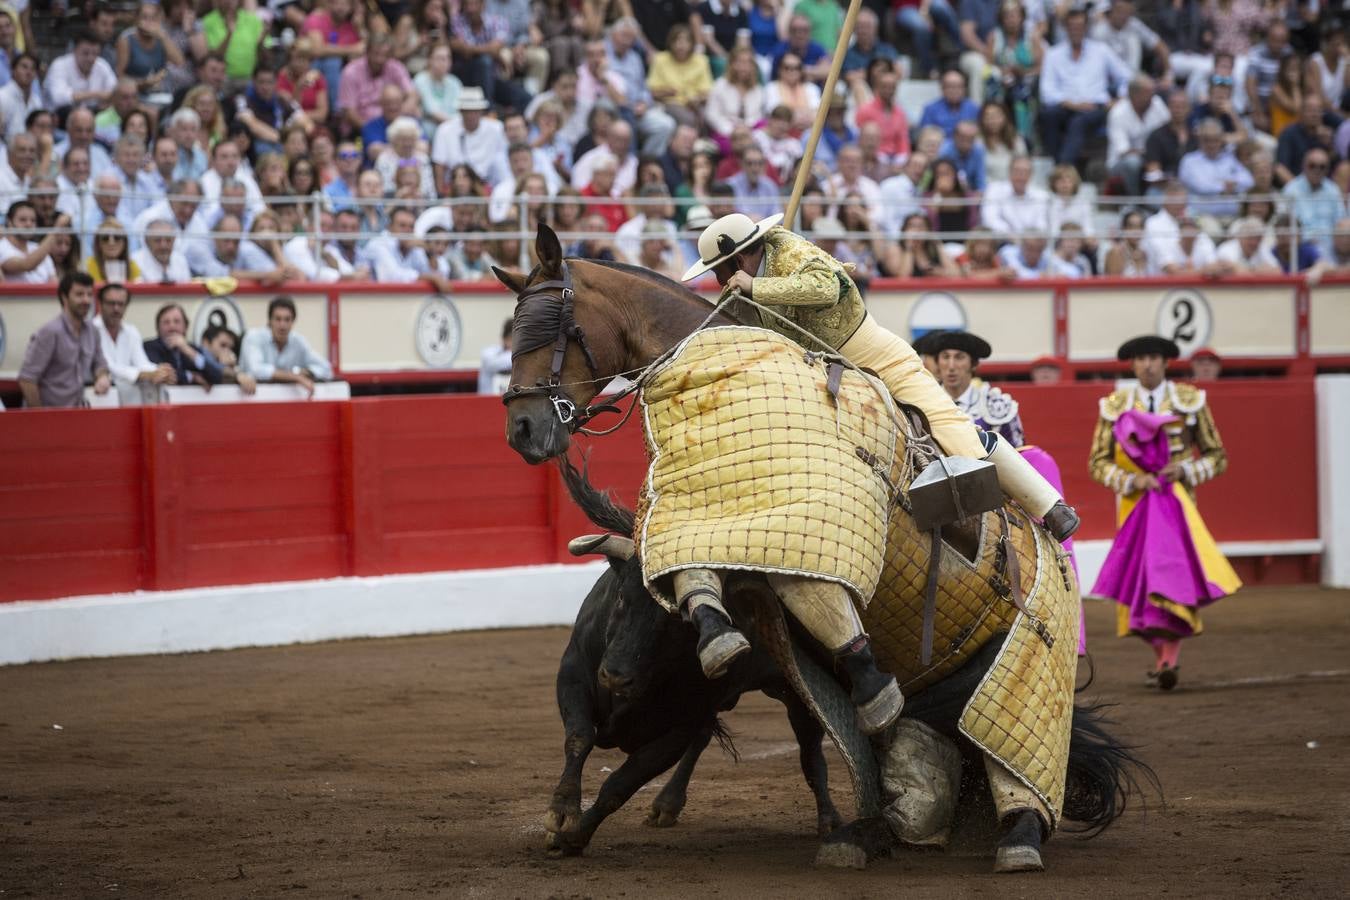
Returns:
point(564, 350)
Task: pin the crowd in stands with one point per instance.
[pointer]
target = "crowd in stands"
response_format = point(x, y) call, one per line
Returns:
point(401, 141)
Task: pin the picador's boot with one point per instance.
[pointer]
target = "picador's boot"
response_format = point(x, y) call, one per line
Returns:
point(875, 695)
point(699, 592)
point(1020, 481)
point(1020, 849)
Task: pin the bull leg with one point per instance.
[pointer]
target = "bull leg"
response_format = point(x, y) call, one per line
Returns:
point(809, 734)
point(698, 593)
point(1022, 815)
point(826, 610)
point(641, 767)
point(578, 713)
point(670, 802)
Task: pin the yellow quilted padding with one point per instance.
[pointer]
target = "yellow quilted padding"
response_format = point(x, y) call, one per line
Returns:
point(755, 466)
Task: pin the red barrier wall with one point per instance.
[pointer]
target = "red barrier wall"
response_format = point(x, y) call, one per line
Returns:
point(173, 497)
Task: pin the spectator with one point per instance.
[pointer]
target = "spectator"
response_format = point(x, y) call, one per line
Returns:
point(791, 89)
point(1195, 253)
point(1317, 201)
point(1169, 142)
point(964, 149)
point(1313, 129)
point(1286, 96)
point(111, 257)
point(1205, 365)
point(618, 146)
point(137, 185)
point(43, 193)
point(80, 78)
point(1026, 258)
point(21, 95)
point(365, 78)
point(1305, 259)
point(521, 161)
point(884, 109)
point(370, 194)
point(477, 39)
point(604, 172)
point(21, 259)
point(75, 199)
point(348, 166)
point(1046, 370)
point(679, 77)
point(980, 259)
point(848, 178)
point(237, 35)
point(65, 352)
point(899, 194)
point(223, 346)
point(471, 138)
point(757, 195)
point(827, 20)
point(736, 98)
point(1263, 66)
point(979, 19)
point(658, 252)
point(1130, 39)
point(336, 40)
point(437, 89)
point(1017, 55)
point(653, 123)
point(921, 20)
point(1126, 256)
point(866, 47)
point(1162, 230)
point(922, 256)
point(228, 254)
point(1069, 261)
point(1213, 173)
point(65, 255)
point(185, 129)
point(144, 52)
point(160, 261)
point(952, 107)
point(1128, 126)
point(1078, 79)
point(815, 59)
point(122, 345)
point(191, 364)
point(80, 135)
point(122, 104)
point(278, 354)
point(18, 170)
point(1000, 140)
point(1015, 206)
point(657, 208)
point(1339, 258)
point(342, 252)
point(494, 366)
point(106, 198)
point(950, 209)
point(1068, 205)
point(1220, 106)
point(163, 160)
point(261, 111)
point(877, 166)
point(781, 149)
point(397, 257)
point(402, 153)
point(1328, 71)
point(184, 31)
point(226, 166)
point(181, 209)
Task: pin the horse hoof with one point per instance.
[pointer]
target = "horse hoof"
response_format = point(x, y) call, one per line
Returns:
point(840, 855)
point(663, 818)
point(561, 818)
point(828, 824)
point(557, 845)
point(1020, 858)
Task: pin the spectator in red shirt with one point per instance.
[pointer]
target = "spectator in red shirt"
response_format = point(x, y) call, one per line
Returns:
point(337, 41)
point(301, 82)
point(884, 109)
point(602, 183)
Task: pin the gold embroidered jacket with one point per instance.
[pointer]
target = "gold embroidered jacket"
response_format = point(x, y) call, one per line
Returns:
point(808, 286)
point(1194, 430)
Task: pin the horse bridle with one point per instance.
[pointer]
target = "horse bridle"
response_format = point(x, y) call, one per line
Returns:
point(557, 291)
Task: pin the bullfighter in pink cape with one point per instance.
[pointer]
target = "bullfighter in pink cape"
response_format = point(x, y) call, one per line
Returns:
point(1155, 442)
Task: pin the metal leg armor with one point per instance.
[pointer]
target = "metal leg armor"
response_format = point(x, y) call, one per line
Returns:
point(699, 596)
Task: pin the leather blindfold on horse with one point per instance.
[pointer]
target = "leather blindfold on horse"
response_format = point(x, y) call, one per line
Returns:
point(545, 315)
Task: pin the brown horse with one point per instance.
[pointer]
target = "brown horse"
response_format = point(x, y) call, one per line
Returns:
point(580, 323)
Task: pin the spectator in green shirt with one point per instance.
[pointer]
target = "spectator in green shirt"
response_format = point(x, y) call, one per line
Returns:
point(827, 20)
point(244, 31)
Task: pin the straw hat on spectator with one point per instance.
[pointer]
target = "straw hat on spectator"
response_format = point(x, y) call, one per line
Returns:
point(472, 99)
point(725, 238)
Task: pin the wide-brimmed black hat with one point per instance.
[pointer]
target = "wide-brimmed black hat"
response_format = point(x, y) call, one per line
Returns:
point(923, 344)
point(1147, 345)
point(974, 345)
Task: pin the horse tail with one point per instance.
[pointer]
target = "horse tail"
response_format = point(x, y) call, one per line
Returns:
point(599, 506)
point(725, 739)
point(1103, 772)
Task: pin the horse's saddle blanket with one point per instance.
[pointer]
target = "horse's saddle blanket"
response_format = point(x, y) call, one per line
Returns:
point(764, 458)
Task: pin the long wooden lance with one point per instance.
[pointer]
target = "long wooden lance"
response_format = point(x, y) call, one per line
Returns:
point(826, 99)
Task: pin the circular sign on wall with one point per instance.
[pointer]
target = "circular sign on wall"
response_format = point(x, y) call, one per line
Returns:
point(1184, 316)
point(221, 312)
point(437, 333)
point(936, 311)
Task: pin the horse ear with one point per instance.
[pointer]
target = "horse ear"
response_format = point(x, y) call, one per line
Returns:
point(549, 250)
point(514, 281)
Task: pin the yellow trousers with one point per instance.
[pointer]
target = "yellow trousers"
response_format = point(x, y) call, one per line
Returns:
point(896, 363)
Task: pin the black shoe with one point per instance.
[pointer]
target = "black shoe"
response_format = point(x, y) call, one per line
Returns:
point(1061, 521)
point(1020, 849)
point(1168, 676)
point(875, 694)
point(718, 643)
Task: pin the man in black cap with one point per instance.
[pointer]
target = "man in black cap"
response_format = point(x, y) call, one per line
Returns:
point(1196, 455)
point(958, 355)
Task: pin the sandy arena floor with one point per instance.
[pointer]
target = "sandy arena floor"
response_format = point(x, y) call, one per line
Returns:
point(422, 767)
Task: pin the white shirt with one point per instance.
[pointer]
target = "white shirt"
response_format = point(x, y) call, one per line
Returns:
point(126, 354)
point(433, 216)
point(177, 271)
point(1127, 131)
point(837, 189)
point(484, 148)
point(391, 263)
point(897, 200)
point(14, 109)
point(1077, 210)
point(1011, 256)
point(1007, 214)
point(42, 273)
point(1162, 239)
point(197, 227)
point(212, 180)
point(1231, 251)
point(65, 80)
point(299, 253)
point(260, 356)
point(494, 370)
point(624, 178)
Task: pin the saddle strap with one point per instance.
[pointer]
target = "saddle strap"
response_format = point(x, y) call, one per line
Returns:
point(930, 596)
point(1014, 566)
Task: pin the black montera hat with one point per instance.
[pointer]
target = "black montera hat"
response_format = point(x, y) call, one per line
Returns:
point(973, 344)
point(923, 344)
point(1147, 345)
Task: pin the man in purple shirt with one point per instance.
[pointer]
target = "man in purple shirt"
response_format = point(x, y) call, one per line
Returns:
point(477, 40)
point(63, 354)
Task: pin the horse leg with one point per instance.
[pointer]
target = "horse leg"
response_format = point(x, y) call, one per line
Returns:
point(809, 735)
point(578, 713)
point(670, 802)
point(1023, 817)
point(642, 766)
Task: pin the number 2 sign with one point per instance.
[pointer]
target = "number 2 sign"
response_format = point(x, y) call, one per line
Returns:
point(1185, 317)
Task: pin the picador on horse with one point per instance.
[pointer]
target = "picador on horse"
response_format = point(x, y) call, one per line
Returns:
point(784, 476)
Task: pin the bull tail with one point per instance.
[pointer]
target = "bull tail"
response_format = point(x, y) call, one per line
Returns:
point(599, 506)
point(1103, 772)
point(725, 739)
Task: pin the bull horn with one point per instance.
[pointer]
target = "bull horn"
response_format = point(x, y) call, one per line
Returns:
point(615, 546)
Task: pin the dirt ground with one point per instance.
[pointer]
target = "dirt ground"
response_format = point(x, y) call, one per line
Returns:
point(422, 767)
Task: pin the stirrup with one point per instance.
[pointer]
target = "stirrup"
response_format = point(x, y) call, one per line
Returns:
point(1061, 521)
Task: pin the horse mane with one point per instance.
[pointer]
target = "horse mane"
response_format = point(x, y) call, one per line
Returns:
point(599, 506)
point(656, 278)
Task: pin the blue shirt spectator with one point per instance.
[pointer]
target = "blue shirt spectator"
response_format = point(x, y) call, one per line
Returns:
point(1095, 75)
point(1213, 175)
point(1317, 201)
point(969, 162)
point(945, 114)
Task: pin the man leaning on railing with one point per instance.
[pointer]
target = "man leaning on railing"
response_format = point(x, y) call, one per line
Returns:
point(278, 354)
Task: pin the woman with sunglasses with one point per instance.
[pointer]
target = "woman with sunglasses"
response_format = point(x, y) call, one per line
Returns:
point(111, 260)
